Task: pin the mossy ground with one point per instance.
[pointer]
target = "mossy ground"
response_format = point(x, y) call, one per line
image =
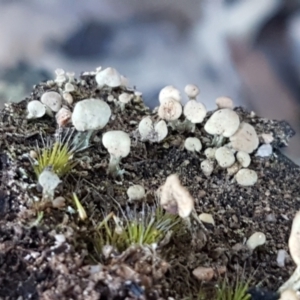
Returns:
point(33, 265)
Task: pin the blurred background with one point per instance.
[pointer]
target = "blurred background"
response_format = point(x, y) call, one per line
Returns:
point(246, 49)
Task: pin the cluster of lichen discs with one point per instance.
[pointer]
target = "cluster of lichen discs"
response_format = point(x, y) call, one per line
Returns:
point(232, 141)
point(85, 115)
point(231, 144)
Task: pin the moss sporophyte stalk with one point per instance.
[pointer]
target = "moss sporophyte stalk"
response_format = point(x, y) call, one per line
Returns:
point(81, 211)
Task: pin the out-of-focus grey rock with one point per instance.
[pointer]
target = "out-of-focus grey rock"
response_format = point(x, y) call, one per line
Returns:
point(16, 82)
point(244, 49)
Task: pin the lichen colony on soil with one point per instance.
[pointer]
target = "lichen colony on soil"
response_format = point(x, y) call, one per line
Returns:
point(139, 204)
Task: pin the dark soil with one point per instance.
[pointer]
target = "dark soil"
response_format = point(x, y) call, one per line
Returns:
point(33, 265)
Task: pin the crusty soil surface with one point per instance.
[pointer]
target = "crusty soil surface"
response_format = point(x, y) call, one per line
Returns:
point(34, 265)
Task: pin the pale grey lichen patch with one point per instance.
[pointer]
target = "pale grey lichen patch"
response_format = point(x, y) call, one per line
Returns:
point(264, 150)
point(49, 182)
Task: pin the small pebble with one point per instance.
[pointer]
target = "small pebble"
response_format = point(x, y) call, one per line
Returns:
point(33, 154)
point(204, 274)
point(270, 218)
point(281, 256)
point(255, 240)
point(268, 138)
point(207, 218)
point(208, 273)
point(59, 202)
point(264, 150)
point(60, 239)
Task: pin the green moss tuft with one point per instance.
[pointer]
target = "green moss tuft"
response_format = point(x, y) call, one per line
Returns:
point(149, 228)
point(236, 292)
point(59, 157)
point(223, 290)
